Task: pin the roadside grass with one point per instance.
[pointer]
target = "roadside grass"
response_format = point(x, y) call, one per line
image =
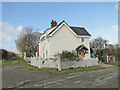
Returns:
point(65, 71)
point(115, 63)
point(14, 61)
point(115, 85)
point(47, 70)
point(0, 63)
point(79, 69)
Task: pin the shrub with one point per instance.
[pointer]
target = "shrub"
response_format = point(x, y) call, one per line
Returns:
point(67, 55)
point(7, 55)
point(4, 54)
point(16, 58)
point(10, 55)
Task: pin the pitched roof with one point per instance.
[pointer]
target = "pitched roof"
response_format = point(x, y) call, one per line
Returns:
point(80, 31)
point(81, 47)
point(77, 30)
point(56, 27)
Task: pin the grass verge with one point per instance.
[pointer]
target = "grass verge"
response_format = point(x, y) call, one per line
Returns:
point(0, 63)
point(115, 63)
point(48, 70)
point(115, 85)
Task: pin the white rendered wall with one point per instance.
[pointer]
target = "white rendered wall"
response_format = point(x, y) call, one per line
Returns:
point(64, 39)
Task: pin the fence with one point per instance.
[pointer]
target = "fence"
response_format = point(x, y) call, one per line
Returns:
point(62, 64)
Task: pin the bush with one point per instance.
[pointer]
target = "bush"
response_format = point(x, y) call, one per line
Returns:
point(10, 55)
point(68, 55)
point(16, 58)
point(4, 54)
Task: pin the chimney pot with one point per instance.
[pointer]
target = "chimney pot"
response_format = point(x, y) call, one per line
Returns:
point(53, 24)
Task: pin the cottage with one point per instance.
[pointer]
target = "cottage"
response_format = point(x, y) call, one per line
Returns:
point(63, 37)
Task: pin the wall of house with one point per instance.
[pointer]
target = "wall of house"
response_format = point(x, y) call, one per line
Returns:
point(87, 44)
point(44, 48)
point(64, 39)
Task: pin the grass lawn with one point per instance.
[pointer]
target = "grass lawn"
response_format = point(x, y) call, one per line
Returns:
point(115, 63)
point(47, 70)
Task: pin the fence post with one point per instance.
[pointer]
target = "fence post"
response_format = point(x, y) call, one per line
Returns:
point(36, 54)
point(59, 64)
point(107, 58)
point(40, 62)
point(24, 55)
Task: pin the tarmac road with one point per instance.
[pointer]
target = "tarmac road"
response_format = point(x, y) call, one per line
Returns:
point(20, 77)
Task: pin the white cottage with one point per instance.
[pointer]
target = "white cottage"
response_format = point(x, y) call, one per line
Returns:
point(63, 37)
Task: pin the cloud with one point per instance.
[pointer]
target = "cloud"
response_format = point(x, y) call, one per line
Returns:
point(115, 27)
point(19, 29)
point(8, 35)
point(5, 38)
point(7, 32)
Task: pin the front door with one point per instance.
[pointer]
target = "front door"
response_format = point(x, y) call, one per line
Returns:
point(80, 54)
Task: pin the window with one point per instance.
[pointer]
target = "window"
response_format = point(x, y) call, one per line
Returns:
point(82, 40)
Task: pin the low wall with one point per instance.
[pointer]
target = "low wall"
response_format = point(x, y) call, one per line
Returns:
point(35, 61)
point(38, 62)
point(62, 64)
point(65, 64)
point(27, 59)
point(50, 63)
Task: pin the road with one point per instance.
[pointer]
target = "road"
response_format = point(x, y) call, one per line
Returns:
point(103, 78)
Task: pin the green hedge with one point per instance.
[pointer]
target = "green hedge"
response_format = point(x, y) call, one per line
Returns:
point(67, 55)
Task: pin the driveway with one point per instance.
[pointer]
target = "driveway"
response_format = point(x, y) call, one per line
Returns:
point(20, 77)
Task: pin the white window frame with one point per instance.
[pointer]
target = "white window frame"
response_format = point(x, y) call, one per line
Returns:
point(82, 40)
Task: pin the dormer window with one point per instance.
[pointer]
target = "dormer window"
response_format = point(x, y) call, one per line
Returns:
point(82, 40)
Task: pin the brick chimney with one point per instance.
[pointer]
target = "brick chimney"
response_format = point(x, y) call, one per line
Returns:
point(53, 24)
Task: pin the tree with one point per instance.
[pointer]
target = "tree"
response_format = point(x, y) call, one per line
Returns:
point(27, 41)
point(98, 43)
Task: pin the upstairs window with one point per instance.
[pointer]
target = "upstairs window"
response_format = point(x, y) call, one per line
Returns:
point(82, 40)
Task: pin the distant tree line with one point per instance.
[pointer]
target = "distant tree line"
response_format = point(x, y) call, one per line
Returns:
point(100, 47)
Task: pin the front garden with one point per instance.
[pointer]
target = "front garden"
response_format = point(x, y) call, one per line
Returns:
point(19, 61)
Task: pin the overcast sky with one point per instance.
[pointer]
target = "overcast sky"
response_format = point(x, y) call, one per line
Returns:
point(99, 19)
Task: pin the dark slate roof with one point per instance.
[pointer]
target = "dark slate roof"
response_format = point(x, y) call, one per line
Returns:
point(80, 31)
point(77, 30)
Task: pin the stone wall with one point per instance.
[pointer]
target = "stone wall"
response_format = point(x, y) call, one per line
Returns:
point(79, 63)
point(35, 61)
point(62, 64)
point(47, 63)
point(27, 59)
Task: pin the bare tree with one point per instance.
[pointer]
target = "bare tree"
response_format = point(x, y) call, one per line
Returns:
point(27, 41)
point(98, 43)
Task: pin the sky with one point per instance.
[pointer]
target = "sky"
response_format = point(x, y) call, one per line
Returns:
point(100, 19)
